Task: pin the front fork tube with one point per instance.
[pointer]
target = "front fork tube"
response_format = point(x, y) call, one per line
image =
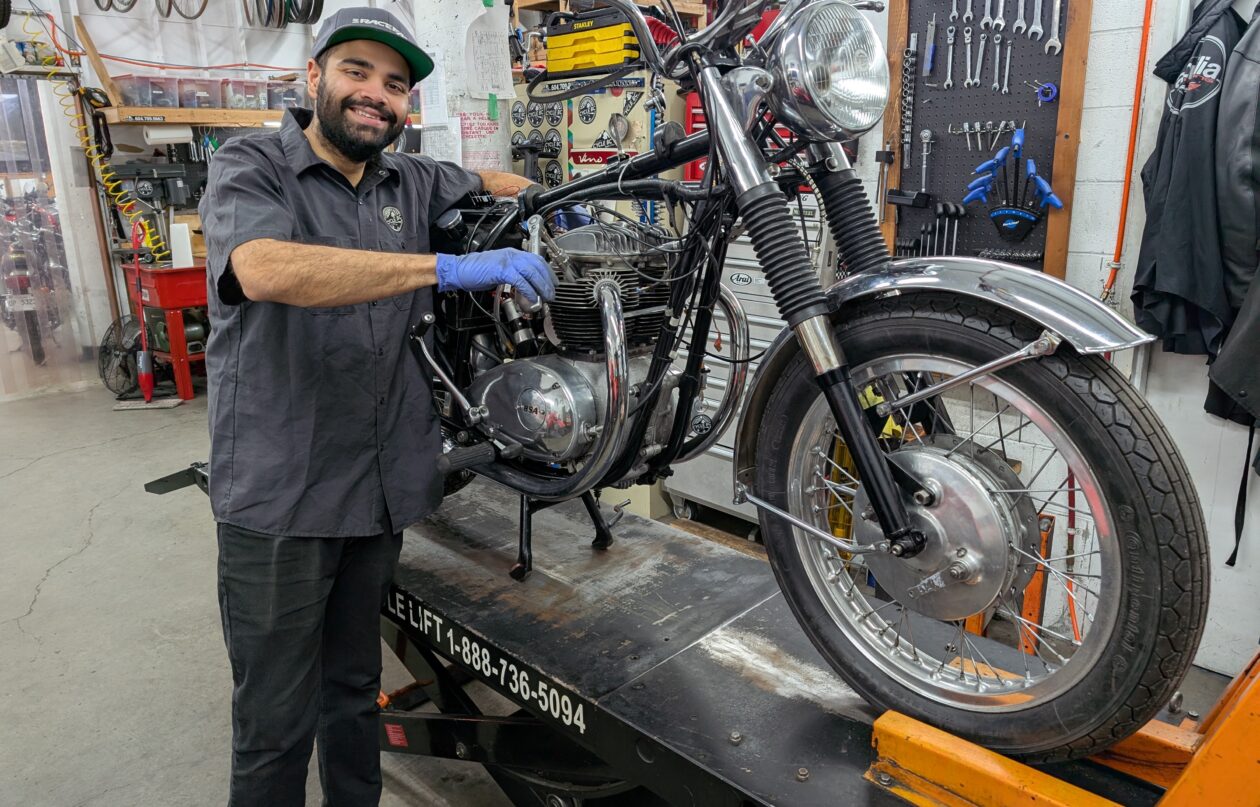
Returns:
point(874, 469)
point(729, 107)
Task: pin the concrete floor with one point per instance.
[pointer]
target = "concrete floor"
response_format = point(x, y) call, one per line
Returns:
point(115, 680)
point(116, 687)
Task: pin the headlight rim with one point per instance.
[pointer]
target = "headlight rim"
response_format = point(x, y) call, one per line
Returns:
point(793, 98)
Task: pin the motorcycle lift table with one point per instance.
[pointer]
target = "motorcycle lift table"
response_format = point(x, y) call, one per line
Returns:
point(666, 669)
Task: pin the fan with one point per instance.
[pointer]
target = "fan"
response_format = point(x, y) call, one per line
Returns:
point(116, 359)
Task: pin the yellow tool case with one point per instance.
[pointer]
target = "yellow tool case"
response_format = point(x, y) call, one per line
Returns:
point(589, 42)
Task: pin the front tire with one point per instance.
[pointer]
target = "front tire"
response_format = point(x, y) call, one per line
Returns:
point(1123, 535)
point(33, 338)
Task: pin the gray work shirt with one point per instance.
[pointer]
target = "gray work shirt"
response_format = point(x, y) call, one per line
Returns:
point(321, 422)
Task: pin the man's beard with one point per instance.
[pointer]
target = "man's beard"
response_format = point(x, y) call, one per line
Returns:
point(342, 135)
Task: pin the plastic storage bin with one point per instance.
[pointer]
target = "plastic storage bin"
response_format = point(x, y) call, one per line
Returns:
point(200, 93)
point(285, 94)
point(134, 89)
point(241, 94)
point(163, 91)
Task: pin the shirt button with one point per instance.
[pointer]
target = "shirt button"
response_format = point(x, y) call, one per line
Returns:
point(380, 351)
point(360, 203)
point(382, 400)
point(381, 446)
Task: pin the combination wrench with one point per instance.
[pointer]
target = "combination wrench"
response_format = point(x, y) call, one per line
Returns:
point(999, 22)
point(949, 59)
point(975, 80)
point(968, 16)
point(1034, 30)
point(1054, 41)
point(1020, 25)
point(953, 15)
point(967, 41)
point(987, 22)
point(997, 61)
point(1006, 79)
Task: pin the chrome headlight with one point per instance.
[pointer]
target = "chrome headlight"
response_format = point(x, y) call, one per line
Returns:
point(831, 73)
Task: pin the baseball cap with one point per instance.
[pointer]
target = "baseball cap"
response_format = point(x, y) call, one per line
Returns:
point(377, 25)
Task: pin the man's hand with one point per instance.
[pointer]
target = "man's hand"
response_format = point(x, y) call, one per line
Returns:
point(525, 271)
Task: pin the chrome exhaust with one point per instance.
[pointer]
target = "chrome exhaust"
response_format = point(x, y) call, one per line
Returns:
point(616, 414)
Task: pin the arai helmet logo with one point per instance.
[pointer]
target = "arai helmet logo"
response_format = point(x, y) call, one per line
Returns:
point(742, 279)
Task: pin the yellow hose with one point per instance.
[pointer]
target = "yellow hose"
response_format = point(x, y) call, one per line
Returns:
point(67, 93)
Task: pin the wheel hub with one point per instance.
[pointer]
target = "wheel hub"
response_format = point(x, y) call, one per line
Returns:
point(970, 528)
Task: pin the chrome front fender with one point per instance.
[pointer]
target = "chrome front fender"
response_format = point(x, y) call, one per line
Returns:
point(1086, 324)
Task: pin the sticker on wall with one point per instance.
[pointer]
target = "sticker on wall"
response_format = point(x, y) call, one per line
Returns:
point(534, 114)
point(536, 137)
point(552, 144)
point(604, 141)
point(587, 109)
point(553, 174)
point(632, 98)
point(518, 113)
point(555, 113)
point(518, 138)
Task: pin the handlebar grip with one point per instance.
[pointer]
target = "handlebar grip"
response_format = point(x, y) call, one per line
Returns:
point(463, 458)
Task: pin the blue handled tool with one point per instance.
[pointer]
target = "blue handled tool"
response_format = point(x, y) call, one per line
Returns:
point(1030, 171)
point(979, 194)
point(1017, 148)
point(1001, 160)
point(987, 168)
point(985, 181)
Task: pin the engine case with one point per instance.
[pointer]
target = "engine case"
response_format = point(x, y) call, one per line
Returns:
point(552, 405)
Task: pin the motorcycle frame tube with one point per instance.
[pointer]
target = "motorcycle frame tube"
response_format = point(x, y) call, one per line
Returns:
point(735, 380)
point(1085, 323)
point(616, 413)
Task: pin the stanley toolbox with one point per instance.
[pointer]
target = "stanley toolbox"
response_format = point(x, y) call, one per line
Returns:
point(589, 42)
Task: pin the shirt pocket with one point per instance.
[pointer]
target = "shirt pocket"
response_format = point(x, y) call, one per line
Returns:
point(328, 241)
point(399, 244)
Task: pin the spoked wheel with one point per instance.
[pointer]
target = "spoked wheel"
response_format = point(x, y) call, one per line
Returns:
point(1063, 589)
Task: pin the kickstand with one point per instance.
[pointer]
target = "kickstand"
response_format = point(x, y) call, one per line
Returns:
point(525, 545)
point(603, 529)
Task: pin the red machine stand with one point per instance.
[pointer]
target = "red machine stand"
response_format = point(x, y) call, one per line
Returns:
point(172, 290)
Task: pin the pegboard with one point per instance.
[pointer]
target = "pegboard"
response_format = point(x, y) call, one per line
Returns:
point(1051, 129)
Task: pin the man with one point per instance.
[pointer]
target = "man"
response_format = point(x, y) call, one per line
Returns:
point(323, 436)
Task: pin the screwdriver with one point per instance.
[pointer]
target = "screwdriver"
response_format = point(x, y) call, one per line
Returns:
point(930, 61)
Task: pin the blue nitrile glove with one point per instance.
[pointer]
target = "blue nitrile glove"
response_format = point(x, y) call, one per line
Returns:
point(526, 272)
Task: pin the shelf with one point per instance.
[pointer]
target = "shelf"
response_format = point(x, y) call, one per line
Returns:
point(192, 117)
point(685, 8)
point(224, 118)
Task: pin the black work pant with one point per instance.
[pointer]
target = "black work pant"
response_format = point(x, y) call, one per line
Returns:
point(301, 618)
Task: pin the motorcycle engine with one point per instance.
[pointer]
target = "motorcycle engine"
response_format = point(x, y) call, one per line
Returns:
point(553, 404)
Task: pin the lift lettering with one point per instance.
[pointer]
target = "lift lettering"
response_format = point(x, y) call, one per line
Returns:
point(523, 683)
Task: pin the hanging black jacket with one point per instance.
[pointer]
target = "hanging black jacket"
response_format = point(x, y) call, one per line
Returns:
point(1237, 369)
point(1179, 290)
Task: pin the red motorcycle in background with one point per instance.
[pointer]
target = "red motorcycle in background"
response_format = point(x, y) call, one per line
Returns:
point(28, 274)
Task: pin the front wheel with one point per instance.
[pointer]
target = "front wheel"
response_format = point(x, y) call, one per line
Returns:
point(1064, 587)
point(33, 338)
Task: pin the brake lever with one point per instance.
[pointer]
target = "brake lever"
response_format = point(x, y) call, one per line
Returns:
point(869, 5)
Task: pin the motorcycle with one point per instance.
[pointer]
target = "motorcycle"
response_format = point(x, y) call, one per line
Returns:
point(972, 514)
point(27, 270)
